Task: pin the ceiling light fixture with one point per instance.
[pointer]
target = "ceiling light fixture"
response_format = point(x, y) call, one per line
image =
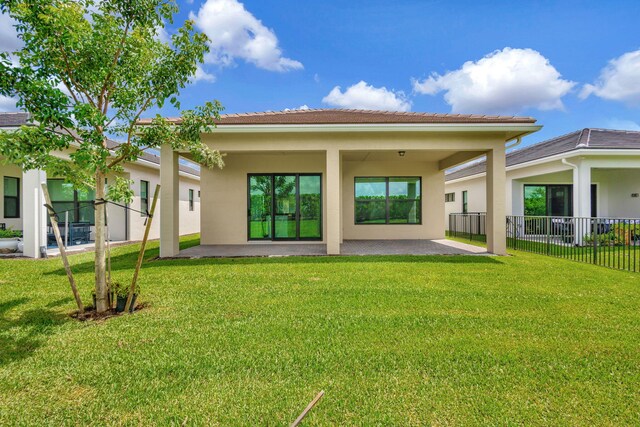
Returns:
point(401, 153)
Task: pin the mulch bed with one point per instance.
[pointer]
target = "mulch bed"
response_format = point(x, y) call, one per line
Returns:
point(91, 314)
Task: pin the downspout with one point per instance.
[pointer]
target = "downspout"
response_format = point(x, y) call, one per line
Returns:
point(518, 141)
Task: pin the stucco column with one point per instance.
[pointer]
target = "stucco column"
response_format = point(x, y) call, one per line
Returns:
point(496, 201)
point(334, 205)
point(34, 214)
point(582, 207)
point(169, 202)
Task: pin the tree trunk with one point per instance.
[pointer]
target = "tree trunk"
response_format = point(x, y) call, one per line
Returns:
point(100, 258)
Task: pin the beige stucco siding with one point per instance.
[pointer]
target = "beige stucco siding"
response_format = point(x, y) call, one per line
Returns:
point(224, 203)
point(432, 226)
point(224, 195)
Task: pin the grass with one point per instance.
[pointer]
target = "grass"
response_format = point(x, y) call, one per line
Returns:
point(448, 340)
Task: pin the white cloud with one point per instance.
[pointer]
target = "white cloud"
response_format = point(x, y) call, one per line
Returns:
point(623, 124)
point(300, 108)
point(202, 75)
point(236, 33)
point(362, 96)
point(618, 81)
point(9, 40)
point(505, 81)
point(7, 104)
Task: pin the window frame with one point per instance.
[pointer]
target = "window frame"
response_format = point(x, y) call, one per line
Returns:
point(77, 204)
point(272, 176)
point(387, 200)
point(465, 202)
point(191, 203)
point(16, 198)
point(448, 199)
point(143, 211)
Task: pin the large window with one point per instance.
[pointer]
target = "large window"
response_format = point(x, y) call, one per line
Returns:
point(11, 197)
point(285, 207)
point(144, 197)
point(388, 200)
point(78, 202)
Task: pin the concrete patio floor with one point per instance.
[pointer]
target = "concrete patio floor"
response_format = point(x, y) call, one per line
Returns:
point(349, 247)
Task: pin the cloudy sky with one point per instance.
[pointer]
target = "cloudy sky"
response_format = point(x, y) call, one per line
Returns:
point(570, 64)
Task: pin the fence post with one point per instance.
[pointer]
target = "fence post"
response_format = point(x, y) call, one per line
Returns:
point(595, 241)
point(548, 226)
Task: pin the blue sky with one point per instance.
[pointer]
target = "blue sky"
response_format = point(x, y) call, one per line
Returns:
point(524, 58)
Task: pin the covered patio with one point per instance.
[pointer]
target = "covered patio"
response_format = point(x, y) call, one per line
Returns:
point(348, 247)
point(338, 182)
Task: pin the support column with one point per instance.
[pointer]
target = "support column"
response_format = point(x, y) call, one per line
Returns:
point(582, 186)
point(169, 202)
point(34, 214)
point(496, 195)
point(334, 202)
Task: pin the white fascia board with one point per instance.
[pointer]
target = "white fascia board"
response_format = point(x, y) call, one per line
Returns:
point(382, 127)
point(556, 157)
point(156, 166)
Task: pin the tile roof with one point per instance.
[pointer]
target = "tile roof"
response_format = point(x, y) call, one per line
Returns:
point(342, 116)
point(18, 119)
point(588, 138)
point(13, 119)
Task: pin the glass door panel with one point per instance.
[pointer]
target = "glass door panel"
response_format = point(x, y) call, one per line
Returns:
point(310, 214)
point(560, 200)
point(260, 202)
point(285, 207)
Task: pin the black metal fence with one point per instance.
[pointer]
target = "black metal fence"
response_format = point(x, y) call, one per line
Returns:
point(468, 226)
point(608, 242)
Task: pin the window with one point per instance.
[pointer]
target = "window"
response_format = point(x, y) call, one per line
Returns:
point(388, 200)
point(144, 197)
point(465, 202)
point(190, 199)
point(77, 202)
point(553, 200)
point(450, 197)
point(11, 197)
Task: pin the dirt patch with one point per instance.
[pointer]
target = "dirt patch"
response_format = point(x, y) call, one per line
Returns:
point(91, 314)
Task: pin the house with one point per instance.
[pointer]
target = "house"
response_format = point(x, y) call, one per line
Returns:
point(328, 176)
point(587, 173)
point(21, 200)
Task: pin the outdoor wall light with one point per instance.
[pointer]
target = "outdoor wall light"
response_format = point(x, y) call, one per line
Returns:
point(401, 153)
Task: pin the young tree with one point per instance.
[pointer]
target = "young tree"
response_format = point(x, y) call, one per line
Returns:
point(88, 69)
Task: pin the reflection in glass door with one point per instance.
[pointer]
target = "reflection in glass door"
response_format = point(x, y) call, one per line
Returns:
point(285, 207)
point(260, 201)
point(285, 212)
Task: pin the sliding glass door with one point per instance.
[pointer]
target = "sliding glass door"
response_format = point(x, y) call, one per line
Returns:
point(285, 207)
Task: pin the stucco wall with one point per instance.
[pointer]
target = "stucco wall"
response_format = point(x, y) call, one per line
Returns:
point(15, 172)
point(432, 226)
point(614, 187)
point(224, 192)
point(224, 195)
point(189, 220)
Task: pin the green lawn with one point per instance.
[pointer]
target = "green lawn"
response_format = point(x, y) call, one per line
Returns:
point(519, 340)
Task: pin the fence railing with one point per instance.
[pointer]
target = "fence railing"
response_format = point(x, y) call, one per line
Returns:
point(608, 242)
point(468, 226)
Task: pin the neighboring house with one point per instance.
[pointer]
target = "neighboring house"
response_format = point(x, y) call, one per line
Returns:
point(334, 175)
point(21, 201)
point(587, 173)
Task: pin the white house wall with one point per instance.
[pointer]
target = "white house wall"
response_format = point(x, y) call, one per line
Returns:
point(616, 179)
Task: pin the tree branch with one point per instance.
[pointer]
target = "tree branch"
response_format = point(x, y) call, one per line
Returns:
point(113, 66)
